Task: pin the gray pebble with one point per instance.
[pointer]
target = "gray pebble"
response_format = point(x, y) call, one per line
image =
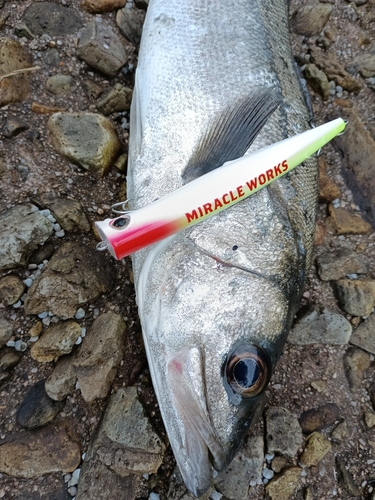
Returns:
point(45, 212)
point(80, 313)
point(60, 234)
point(17, 304)
point(28, 282)
point(20, 346)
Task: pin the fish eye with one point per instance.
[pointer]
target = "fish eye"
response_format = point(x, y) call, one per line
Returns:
point(247, 371)
point(120, 222)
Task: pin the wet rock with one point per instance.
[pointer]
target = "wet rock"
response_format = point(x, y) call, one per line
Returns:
point(37, 408)
point(6, 331)
point(328, 191)
point(310, 18)
point(356, 362)
point(345, 223)
point(11, 289)
point(58, 84)
point(334, 71)
point(341, 431)
point(92, 89)
point(364, 64)
point(42, 451)
point(42, 253)
point(43, 109)
point(369, 419)
point(51, 19)
point(282, 487)
point(317, 80)
point(363, 336)
point(317, 447)
point(21, 231)
point(245, 468)
point(320, 326)
point(126, 441)
point(130, 23)
point(118, 98)
point(56, 341)
point(13, 57)
point(322, 417)
point(346, 479)
point(284, 434)
point(357, 149)
point(101, 48)
point(99, 6)
point(88, 139)
point(75, 275)
point(95, 478)
point(62, 380)
point(337, 264)
point(96, 367)
point(13, 126)
point(356, 297)
point(68, 213)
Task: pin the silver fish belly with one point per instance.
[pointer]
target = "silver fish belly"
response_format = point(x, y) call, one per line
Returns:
point(216, 301)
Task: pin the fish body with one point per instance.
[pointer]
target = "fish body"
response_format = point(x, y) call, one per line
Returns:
point(217, 300)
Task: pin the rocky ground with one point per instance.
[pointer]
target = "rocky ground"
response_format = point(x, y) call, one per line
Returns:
point(78, 417)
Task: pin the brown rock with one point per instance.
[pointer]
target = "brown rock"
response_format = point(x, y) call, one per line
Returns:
point(62, 380)
point(6, 331)
point(338, 263)
point(68, 213)
point(13, 57)
point(356, 297)
point(13, 126)
point(56, 341)
point(317, 80)
point(317, 447)
point(319, 418)
point(328, 191)
point(9, 358)
point(99, 6)
point(320, 232)
point(36, 329)
point(42, 109)
point(283, 486)
point(356, 362)
point(279, 463)
point(11, 289)
point(369, 419)
point(334, 71)
point(346, 479)
point(92, 89)
point(310, 19)
point(365, 64)
point(117, 99)
point(341, 432)
point(33, 454)
point(363, 336)
point(75, 275)
point(345, 223)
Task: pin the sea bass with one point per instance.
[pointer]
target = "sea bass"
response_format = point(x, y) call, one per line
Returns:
point(216, 301)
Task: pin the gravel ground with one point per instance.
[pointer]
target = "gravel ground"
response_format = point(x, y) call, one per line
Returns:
point(299, 365)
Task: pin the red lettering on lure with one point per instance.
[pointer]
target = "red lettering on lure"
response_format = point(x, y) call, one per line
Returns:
point(285, 166)
point(218, 204)
point(252, 184)
point(192, 216)
point(224, 197)
point(269, 174)
point(207, 208)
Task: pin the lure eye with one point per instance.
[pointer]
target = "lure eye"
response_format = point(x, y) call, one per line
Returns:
point(121, 222)
point(247, 371)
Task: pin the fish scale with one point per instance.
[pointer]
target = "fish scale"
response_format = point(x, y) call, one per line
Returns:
point(236, 277)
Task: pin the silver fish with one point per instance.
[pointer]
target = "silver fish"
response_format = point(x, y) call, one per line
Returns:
point(216, 301)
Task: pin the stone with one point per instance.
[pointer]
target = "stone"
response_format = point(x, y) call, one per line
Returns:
point(68, 213)
point(328, 191)
point(37, 408)
point(369, 419)
point(333, 69)
point(245, 468)
point(21, 30)
point(43, 451)
point(96, 367)
point(43, 109)
point(346, 479)
point(141, 4)
point(88, 139)
point(282, 487)
point(34, 136)
point(122, 163)
point(319, 385)
point(62, 380)
point(338, 263)
point(363, 63)
point(319, 418)
point(341, 431)
point(317, 80)
point(279, 463)
point(51, 19)
point(96, 477)
point(59, 84)
point(56, 341)
point(51, 58)
point(320, 232)
point(99, 6)
point(320, 326)
point(42, 253)
point(363, 336)
point(101, 48)
point(9, 358)
point(356, 362)
point(21, 231)
point(11, 289)
point(36, 329)
point(130, 23)
point(317, 447)
point(118, 98)
point(13, 126)
point(356, 297)
point(75, 275)
point(344, 223)
point(13, 57)
point(357, 149)
point(126, 441)
point(284, 434)
point(6, 331)
point(92, 89)
point(310, 19)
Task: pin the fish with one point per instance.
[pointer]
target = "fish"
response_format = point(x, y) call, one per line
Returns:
point(215, 80)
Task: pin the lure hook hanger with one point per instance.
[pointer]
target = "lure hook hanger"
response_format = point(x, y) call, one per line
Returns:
point(122, 205)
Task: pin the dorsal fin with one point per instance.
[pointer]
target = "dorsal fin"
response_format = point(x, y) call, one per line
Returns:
point(231, 134)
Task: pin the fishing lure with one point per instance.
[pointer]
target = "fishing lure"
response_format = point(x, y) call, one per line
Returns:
point(209, 194)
